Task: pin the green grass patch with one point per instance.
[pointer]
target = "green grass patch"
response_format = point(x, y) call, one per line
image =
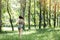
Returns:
point(42, 34)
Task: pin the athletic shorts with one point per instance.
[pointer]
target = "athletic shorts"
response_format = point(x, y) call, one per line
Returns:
point(20, 26)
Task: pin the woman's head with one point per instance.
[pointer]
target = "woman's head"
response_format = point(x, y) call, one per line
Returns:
point(20, 17)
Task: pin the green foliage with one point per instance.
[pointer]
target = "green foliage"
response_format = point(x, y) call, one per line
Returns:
point(14, 7)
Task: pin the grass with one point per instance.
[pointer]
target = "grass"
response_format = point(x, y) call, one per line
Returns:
point(42, 34)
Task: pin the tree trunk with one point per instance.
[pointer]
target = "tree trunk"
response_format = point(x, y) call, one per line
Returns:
point(40, 16)
point(49, 13)
point(24, 13)
point(55, 15)
point(0, 16)
point(29, 13)
point(34, 15)
point(9, 15)
point(44, 11)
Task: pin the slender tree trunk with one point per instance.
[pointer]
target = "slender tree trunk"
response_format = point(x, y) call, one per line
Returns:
point(44, 11)
point(40, 16)
point(55, 15)
point(58, 13)
point(9, 15)
point(29, 13)
point(57, 20)
point(49, 13)
point(0, 16)
point(23, 6)
point(47, 18)
point(34, 15)
point(24, 13)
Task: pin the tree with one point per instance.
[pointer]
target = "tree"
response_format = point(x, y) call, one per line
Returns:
point(54, 15)
point(57, 12)
point(34, 15)
point(10, 19)
point(0, 15)
point(40, 15)
point(44, 12)
point(29, 13)
point(49, 13)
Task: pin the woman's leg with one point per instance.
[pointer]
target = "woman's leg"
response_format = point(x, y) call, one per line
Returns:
point(20, 32)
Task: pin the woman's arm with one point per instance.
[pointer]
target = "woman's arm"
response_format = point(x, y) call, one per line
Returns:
point(17, 22)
